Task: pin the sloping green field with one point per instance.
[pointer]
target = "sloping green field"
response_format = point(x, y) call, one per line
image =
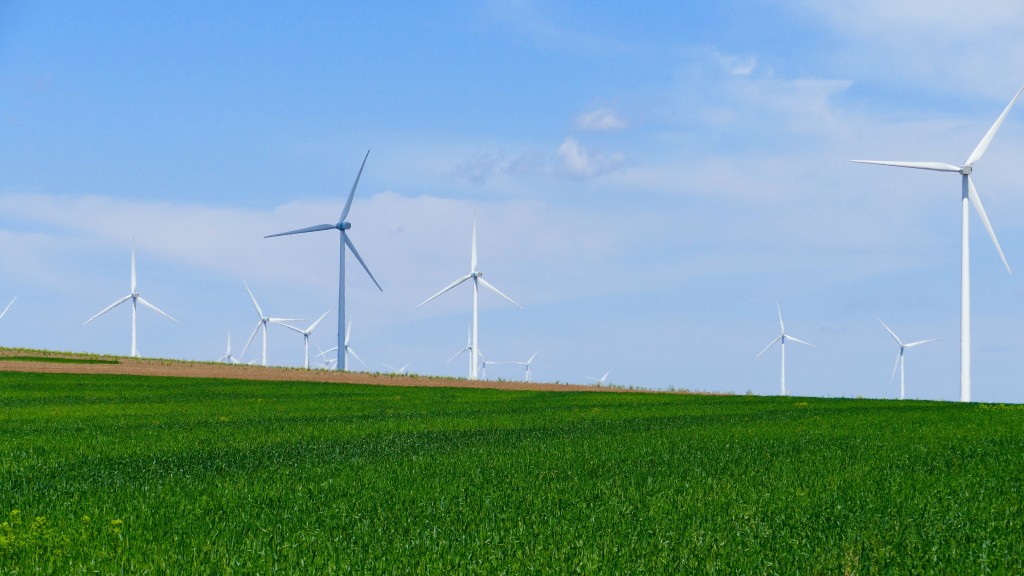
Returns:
point(102, 474)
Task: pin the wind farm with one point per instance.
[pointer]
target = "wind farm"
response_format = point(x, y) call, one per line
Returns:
point(637, 188)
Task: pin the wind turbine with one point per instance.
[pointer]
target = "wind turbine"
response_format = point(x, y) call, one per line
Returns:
point(227, 357)
point(468, 348)
point(969, 194)
point(782, 338)
point(600, 381)
point(264, 321)
point(329, 363)
point(136, 300)
point(478, 278)
point(529, 376)
point(348, 348)
point(400, 371)
point(305, 333)
point(899, 357)
point(341, 226)
point(4, 313)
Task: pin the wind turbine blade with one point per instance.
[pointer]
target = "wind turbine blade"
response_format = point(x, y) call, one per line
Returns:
point(108, 309)
point(894, 367)
point(457, 354)
point(976, 200)
point(795, 339)
point(938, 166)
point(316, 228)
point(326, 352)
point(314, 324)
point(157, 310)
point(254, 332)
point(979, 150)
point(253, 298)
point(283, 320)
point(891, 333)
point(447, 288)
point(919, 342)
point(356, 356)
point(498, 292)
point(348, 203)
point(2, 314)
point(530, 361)
point(290, 327)
point(782, 327)
point(352, 247)
point(768, 346)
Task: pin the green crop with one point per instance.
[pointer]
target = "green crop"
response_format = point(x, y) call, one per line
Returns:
point(143, 474)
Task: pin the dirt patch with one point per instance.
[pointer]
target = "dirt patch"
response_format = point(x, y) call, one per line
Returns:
point(185, 369)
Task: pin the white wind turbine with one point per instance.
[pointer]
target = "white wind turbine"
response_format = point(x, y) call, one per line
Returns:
point(227, 357)
point(264, 321)
point(306, 333)
point(341, 226)
point(348, 348)
point(477, 277)
point(899, 357)
point(600, 381)
point(468, 348)
point(781, 339)
point(4, 313)
point(329, 363)
point(136, 299)
point(529, 376)
point(969, 194)
point(399, 371)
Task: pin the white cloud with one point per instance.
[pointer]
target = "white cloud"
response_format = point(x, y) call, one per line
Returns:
point(600, 120)
point(574, 161)
point(736, 65)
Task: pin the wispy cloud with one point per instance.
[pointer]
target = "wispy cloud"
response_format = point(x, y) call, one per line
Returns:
point(600, 120)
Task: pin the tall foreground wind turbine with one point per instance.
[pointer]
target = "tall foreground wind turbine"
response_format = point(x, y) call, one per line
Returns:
point(968, 194)
point(781, 339)
point(899, 357)
point(478, 278)
point(136, 299)
point(341, 226)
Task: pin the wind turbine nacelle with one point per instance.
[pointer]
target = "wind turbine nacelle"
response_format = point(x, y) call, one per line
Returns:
point(966, 170)
point(344, 225)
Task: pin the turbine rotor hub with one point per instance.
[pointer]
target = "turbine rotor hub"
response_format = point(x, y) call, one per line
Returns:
point(344, 225)
point(966, 169)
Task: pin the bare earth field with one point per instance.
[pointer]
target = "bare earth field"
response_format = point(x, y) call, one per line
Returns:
point(186, 369)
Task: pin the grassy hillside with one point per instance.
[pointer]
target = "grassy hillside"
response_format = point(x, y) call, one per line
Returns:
point(104, 473)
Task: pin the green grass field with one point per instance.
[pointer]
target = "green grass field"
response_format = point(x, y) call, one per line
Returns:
point(102, 474)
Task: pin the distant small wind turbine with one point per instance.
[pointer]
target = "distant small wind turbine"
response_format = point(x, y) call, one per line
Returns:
point(227, 357)
point(969, 194)
point(477, 277)
point(600, 381)
point(484, 363)
point(782, 338)
point(341, 226)
point(468, 348)
point(529, 376)
point(348, 348)
point(136, 299)
point(263, 322)
point(4, 313)
point(328, 362)
point(899, 357)
point(305, 333)
point(400, 371)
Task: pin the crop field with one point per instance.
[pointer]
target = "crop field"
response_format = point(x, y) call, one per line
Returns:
point(109, 474)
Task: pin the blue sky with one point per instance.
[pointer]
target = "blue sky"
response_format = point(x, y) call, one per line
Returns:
point(649, 182)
